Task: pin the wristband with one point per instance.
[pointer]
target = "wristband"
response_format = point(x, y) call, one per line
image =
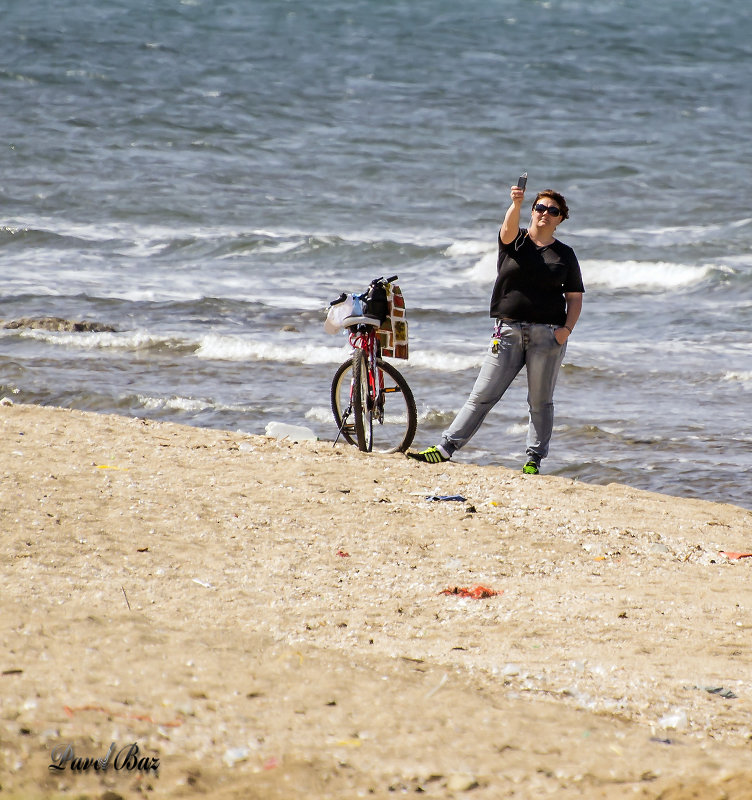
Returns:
point(567, 327)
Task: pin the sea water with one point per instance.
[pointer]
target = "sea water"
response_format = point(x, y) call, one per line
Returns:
point(204, 176)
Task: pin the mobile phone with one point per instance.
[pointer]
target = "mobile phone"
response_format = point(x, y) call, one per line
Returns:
point(522, 181)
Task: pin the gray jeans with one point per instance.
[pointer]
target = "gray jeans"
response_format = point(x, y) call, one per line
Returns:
point(519, 344)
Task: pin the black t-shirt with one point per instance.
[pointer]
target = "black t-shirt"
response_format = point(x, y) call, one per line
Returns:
point(531, 281)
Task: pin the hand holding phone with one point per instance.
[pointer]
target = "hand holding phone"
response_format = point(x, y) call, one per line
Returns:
point(522, 181)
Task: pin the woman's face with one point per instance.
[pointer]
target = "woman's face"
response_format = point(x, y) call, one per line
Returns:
point(543, 219)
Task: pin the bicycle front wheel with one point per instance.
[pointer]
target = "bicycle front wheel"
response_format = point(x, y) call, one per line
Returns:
point(363, 402)
point(392, 417)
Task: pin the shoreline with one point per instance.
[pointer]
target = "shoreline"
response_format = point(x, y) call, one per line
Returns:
point(267, 619)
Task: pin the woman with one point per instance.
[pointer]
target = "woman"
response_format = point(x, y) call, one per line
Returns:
point(536, 302)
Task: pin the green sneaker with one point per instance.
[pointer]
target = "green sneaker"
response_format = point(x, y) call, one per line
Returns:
point(431, 455)
point(532, 467)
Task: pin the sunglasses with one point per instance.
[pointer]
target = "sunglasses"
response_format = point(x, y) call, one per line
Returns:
point(552, 210)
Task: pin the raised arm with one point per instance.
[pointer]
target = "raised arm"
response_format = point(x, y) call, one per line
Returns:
point(510, 227)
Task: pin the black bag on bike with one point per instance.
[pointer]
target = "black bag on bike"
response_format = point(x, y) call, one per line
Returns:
point(375, 303)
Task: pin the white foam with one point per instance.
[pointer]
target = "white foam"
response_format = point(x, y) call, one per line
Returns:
point(602, 273)
point(276, 248)
point(174, 403)
point(320, 414)
point(473, 247)
point(739, 377)
point(133, 340)
point(616, 274)
point(445, 362)
point(158, 236)
point(484, 271)
point(644, 274)
point(665, 235)
point(190, 404)
point(238, 348)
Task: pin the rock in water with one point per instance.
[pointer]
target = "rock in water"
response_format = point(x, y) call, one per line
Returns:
point(59, 324)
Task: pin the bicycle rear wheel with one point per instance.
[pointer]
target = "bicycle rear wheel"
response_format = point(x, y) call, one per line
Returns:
point(392, 417)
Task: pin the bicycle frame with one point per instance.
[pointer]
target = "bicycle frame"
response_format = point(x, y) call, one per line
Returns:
point(368, 341)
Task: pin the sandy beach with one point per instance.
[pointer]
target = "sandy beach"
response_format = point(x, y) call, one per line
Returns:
point(270, 619)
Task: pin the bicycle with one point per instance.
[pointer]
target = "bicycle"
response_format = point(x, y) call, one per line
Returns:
point(365, 386)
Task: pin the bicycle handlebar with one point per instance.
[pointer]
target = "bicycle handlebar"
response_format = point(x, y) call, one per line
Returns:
point(374, 282)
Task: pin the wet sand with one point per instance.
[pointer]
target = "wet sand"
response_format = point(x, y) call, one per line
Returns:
point(268, 620)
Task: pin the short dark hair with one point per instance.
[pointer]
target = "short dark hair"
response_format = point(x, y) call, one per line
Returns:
point(557, 198)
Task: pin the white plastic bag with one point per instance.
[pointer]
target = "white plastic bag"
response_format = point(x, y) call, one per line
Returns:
point(337, 314)
point(295, 433)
